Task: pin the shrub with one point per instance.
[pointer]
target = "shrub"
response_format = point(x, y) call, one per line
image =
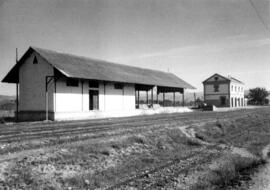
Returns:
point(227, 171)
point(177, 136)
point(160, 145)
point(2, 120)
point(115, 146)
point(137, 139)
point(105, 152)
point(222, 175)
point(200, 136)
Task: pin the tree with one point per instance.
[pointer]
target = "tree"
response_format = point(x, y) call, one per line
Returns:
point(258, 95)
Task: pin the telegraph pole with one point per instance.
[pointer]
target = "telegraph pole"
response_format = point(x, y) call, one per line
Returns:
point(17, 90)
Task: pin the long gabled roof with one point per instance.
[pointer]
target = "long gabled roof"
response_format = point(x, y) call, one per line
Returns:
point(231, 79)
point(86, 68)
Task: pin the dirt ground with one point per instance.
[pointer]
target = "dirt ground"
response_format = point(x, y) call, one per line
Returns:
point(163, 151)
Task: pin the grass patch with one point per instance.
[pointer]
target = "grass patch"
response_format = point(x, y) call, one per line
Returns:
point(227, 172)
point(91, 161)
point(136, 139)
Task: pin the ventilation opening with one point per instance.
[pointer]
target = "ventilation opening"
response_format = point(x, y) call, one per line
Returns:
point(35, 61)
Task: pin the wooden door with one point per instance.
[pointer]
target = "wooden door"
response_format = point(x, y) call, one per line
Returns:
point(93, 100)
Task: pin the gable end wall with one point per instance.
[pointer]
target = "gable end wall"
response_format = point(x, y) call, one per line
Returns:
point(32, 88)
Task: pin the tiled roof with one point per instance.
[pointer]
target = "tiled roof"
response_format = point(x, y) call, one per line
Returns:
point(86, 68)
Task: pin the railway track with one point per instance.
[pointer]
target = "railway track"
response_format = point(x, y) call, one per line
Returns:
point(60, 129)
point(179, 166)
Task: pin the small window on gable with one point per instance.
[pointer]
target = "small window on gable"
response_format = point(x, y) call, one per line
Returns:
point(118, 86)
point(35, 61)
point(93, 84)
point(216, 78)
point(216, 88)
point(72, 82)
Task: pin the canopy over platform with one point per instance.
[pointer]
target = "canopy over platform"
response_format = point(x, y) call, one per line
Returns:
point(164, 89)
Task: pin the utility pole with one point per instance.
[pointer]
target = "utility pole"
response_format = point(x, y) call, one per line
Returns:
point(17, 90)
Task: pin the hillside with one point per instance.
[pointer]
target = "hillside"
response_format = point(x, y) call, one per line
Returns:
point(7, 102)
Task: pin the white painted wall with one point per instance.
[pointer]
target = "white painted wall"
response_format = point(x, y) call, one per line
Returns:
point(76, 99)
point(117, 99)
point(237, 91)
point(70, 100)
point(32, 84)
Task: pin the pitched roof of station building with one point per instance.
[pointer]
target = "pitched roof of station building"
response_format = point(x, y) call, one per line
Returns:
point(74, 66)
point(229, 79)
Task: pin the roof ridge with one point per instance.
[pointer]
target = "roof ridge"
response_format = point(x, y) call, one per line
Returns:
point(96, 59)
point(88, 68)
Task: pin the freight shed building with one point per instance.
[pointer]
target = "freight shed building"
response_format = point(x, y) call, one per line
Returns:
point(57, 86)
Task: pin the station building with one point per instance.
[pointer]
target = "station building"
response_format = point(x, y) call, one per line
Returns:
point(58, 86)
point(224, 91)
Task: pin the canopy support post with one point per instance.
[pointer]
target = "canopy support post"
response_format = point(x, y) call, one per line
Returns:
point(147, 97)
point(183, 98)
point(152, 99)
point(138, 99)
point(163, 99)
point(174, 99)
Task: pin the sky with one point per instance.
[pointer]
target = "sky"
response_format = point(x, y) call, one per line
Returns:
point(191, 38)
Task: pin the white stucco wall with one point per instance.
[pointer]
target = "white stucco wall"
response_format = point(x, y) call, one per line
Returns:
point(237, 91)
point(76, 99)
point(66, 99)
point(32, 85)
point(117, 99)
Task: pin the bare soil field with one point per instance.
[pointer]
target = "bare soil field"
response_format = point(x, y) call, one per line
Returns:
point(200, 150)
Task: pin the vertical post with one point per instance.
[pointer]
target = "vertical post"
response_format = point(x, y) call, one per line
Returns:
point(157, 96)
point(82, 93)
point(123, 96)
point(47, 114)
point(152, 101)
point(138, 99)
point(55, 94)
point(147, 97)
point(195, 99)
point(183, 98)
point(17, 102)
point(173, 98)
point(104, 90)
point(17, 91)
point(163, 99)
point(135, 98)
